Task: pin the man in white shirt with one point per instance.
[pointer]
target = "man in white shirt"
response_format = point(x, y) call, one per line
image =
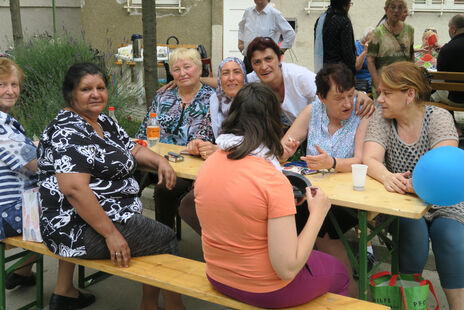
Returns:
point(263, 20)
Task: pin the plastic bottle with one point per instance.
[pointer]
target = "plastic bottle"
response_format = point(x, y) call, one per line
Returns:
point(111, 114)
point(153, 130)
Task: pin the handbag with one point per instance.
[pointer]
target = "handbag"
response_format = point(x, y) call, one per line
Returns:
point(31, 215)
point(401, 291)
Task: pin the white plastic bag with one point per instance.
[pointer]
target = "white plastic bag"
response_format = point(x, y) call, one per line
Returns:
point(31, 215)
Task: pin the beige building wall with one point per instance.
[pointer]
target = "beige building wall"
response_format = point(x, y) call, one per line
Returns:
point(37, 18)
point(106, 23)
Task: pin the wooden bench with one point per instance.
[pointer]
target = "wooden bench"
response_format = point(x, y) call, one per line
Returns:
point(177, 274)
point(450, 81)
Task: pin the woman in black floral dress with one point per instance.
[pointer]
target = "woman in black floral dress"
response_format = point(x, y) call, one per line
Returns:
point(90, 207)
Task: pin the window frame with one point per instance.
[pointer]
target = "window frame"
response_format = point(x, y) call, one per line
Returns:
point(439, 6)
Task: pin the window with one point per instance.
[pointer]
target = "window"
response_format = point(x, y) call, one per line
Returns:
point(440, 6)
point(134, 6)
point(317, 5)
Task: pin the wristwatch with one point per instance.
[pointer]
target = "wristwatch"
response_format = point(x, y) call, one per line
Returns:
point(333, 166)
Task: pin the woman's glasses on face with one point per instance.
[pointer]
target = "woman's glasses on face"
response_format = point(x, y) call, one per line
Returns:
point(430, 29)
point(398, 8)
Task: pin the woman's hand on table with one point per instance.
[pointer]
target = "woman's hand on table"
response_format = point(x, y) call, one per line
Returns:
point(119, 249)
point(206, 149)
point(202, 148)
point(166, 174)
point(364, 105)
point(398, 182)
point(319, 162)
point(409, 187)
point(192, 147)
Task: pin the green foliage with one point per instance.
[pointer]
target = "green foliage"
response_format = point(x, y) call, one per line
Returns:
point(129, 124)
point(45, 62)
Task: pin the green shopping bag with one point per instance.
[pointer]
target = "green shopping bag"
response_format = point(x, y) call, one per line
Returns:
point(402, 291)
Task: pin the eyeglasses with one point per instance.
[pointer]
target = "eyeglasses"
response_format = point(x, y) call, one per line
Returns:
point(430, 29)
point(398, 8)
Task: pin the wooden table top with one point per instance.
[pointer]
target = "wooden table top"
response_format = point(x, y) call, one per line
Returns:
point(338, 186)
point(188, 168)
point(375, 198)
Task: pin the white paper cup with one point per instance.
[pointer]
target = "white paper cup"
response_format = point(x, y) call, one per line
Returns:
point(359, 176)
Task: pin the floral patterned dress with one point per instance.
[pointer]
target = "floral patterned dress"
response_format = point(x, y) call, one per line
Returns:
point(70, 145)
point(180, 124)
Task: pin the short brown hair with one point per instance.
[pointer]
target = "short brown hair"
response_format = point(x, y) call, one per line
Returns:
point(8, 67)
point(260, 44)
point(404, 75)
point(338, 74)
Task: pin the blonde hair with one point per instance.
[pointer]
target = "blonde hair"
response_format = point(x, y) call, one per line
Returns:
point(404, 75)
point(429, 32)
point(182, 53)
point(388, 2)
point(9, 67)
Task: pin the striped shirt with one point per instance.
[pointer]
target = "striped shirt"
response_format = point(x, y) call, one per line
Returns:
point(16, 150)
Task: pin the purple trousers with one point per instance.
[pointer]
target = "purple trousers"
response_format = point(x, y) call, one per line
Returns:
point(322, 273)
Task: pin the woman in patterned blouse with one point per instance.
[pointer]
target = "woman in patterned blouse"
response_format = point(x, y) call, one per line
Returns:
point(181, 113)
point(398, 135)
point(90, 207)
point(392, 41)
point(18, 166)
point(335, 136)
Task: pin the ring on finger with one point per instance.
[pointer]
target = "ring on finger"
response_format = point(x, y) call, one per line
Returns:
point(117, 253)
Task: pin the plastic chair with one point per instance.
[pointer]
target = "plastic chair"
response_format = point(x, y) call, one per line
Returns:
point(207, 61)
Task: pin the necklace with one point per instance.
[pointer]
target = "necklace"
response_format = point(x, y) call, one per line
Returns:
point(188, 98)
point(391, 29)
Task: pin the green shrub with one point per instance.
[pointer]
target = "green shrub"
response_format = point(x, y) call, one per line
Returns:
point(45, 62)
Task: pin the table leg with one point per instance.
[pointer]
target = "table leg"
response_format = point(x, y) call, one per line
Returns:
point(39, 282)
point(2, 277)
point(396, 238)
point(362, 254)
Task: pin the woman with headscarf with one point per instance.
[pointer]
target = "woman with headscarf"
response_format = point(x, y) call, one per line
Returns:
point(231, 78)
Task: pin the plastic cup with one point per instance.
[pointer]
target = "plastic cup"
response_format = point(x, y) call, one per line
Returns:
point(359, 176)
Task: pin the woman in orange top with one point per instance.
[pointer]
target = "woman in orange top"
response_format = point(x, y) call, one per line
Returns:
point(246, 210)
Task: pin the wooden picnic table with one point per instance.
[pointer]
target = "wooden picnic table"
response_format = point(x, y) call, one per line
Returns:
point(374, 200)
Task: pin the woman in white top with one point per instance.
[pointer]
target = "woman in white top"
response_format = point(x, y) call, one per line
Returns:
point(293, 85)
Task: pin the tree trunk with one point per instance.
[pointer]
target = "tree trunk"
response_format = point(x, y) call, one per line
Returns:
point(149, 49)
point(15, 12)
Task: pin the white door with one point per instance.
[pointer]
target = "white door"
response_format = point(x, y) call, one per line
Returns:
point(233, 12)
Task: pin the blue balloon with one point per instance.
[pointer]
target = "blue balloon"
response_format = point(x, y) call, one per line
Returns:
point(438, 177)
